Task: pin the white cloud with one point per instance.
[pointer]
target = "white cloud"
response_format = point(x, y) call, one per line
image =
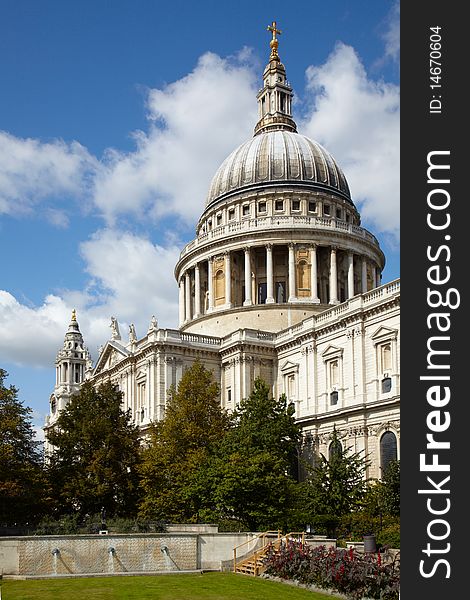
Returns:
point(29, 335)
point(32, 171)
point(130, 278)
point(391, 35)
point(357, 120)
point(133, 277)
point(194, 123)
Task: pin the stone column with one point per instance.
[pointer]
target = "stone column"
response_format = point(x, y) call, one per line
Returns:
point(292, 290)
point(269, 275)
point(228, 280)
point(197, 292)
point(364, 275)
point(314, 274)
point(350, 275)
point(378, 283)
point(187, 290)
point(210, 284)
point(374, 276)
point(333, 277)
point(182, 311)
point(248, 301)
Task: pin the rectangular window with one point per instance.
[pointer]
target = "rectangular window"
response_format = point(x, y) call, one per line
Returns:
point(312, 206)
point(386, 385)
point(338, 213)
point(261, 207)
point(279, 205)
point(291, 387)
point(231, 214)
point(295, 204)
point(229, 395)
point(326, 209)
point(246, 210)
point(262, 293)
point(334, 373)
point(219, 219)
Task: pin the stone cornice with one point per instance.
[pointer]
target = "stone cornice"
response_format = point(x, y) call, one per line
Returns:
point(350, 411)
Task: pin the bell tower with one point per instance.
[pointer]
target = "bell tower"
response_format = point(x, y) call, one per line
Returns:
point(73, 365)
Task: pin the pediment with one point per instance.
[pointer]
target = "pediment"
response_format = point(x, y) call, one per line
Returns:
point(384, 333)
point(111, 354)
point(332, 352)
point(289, 366)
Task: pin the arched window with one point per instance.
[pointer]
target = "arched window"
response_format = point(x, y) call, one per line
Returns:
point(334, 449)
point(386, 357)
point(388, 449)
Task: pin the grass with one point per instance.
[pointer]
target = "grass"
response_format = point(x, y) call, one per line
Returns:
point(208, 586)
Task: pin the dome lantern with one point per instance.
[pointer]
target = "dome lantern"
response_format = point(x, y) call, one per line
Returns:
point(275, 98)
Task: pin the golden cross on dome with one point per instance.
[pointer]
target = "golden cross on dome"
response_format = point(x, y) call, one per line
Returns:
point(273, 28)
point(74, 315)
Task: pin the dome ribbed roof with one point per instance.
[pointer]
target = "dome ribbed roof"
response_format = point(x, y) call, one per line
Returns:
point(277, 157)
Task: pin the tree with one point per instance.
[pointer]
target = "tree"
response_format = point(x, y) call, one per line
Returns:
point(180, 445)
point(336, 485)
point(96, 454)
point(21, 476)
point(251, 477)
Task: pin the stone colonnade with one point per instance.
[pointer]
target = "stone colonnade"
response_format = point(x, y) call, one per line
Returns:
point(249, 276)
point(70, 372)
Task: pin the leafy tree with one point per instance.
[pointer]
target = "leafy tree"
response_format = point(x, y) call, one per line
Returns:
point(251, 478)
point(179, 447)
point(336, 485)
point(383, 497)
point(391, 489)
point(96, 454)
point(21, 476)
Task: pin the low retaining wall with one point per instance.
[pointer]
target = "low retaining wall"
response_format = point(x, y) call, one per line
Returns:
point(116, 553)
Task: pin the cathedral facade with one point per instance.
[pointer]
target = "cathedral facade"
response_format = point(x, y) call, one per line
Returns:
point(281, 282)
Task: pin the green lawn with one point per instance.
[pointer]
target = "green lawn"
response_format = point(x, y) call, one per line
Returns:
point(208, 586)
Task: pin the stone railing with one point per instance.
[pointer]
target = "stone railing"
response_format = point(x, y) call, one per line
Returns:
point(249, 335)
point(332, 315)
point(175, 336)
point(282, 221)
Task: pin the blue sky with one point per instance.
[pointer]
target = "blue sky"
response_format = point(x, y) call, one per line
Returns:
point(115, 114)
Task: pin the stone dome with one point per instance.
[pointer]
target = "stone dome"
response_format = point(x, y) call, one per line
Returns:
point(278, 157)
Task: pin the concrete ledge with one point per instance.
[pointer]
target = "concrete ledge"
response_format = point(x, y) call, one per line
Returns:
point(82, 575)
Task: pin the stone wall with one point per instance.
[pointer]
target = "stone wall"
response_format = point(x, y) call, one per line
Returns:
point(116, 553)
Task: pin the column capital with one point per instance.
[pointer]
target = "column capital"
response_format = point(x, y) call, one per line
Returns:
point(269, 246)
point(314, 246)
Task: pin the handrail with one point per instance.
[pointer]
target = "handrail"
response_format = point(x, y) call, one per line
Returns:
point(261, 551)
point(262, 535)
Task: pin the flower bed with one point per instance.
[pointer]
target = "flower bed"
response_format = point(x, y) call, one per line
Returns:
point(345, 571)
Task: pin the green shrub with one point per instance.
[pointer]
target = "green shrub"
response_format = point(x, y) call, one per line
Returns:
point(390, 536)
point(355, 575)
